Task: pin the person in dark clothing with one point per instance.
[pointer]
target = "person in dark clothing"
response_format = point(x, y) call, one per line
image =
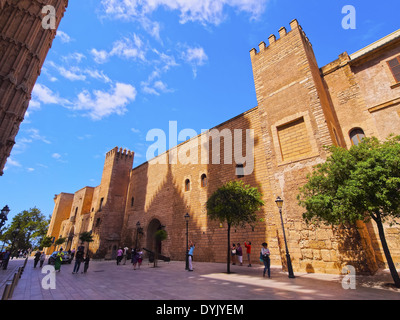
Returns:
point(37, 258)
point(86, 265)
point(78, 260)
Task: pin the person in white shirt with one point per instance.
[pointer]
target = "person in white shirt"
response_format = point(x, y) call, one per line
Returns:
point(265, 253)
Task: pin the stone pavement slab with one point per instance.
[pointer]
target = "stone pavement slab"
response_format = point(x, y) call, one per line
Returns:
point(209, 281)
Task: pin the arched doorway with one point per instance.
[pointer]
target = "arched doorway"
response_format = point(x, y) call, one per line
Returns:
point(154, 225)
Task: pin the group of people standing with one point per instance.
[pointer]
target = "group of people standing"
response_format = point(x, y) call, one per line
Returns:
point(39, 256)
point(79, 258)
point(237, 252)
point(136, 256)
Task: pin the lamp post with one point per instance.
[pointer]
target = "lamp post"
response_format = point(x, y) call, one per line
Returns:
point(279, 203)
point(3, 215)
point(187, 240)
point(3, 218)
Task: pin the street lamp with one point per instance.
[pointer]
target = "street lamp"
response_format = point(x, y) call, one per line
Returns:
point(187, 240)
point(3, 215)
point(279, 203)
point(3, 218)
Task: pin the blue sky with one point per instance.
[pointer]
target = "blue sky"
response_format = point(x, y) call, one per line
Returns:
point(119, 68)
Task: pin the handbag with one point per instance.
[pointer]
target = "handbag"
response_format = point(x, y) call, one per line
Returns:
point(234, 251)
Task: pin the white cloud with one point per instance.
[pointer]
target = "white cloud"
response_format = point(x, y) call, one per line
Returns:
point(65, 38)
point(128, 47)
point(101, 104)
point(76, 56)
point(13, 163)
point(134, 130)
point(195, 57)
point(99, 57)
point(26, 137)
point(56, 156)
point(43, 94)
point(75, 73)
point(203, 11)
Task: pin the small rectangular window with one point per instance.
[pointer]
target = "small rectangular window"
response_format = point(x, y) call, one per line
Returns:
point(394, 66)
point(101, 204)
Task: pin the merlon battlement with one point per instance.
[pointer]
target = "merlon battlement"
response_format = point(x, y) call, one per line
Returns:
point(294, 25)
point(119, 153)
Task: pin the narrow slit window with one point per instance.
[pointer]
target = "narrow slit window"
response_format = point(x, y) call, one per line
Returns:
point(203, 180)
point(187, 185)
point(394, 66)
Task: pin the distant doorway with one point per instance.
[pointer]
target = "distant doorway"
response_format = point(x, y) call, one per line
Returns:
point(153, 227)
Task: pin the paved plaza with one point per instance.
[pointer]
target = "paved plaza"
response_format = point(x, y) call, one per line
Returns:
point(209, 281)
point(169, 281)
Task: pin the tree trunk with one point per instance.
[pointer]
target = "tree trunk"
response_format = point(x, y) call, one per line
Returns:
point(228, 266)
point(388, 256)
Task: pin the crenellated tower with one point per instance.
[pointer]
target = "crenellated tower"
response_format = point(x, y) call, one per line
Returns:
point(109, 199)
point(24, 45)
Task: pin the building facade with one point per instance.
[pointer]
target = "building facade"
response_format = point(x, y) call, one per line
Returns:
point(24, 45)
point(301, 108)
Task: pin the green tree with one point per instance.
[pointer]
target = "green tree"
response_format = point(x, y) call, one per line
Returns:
point(359, 184)
point(27, 229)
point(159, 237)
point(60, 241)
point(86, 237)
point(236, 204)
point(46, 242)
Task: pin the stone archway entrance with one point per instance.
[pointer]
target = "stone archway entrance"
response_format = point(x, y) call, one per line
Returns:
point(154, 225)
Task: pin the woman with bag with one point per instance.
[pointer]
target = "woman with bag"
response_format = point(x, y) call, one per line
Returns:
point(264, 257)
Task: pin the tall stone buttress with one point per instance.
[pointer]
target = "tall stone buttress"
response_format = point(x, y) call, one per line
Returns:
point(24, 45)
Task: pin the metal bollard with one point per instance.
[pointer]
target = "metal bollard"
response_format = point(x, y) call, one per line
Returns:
point(6, 293)
point(13, 284)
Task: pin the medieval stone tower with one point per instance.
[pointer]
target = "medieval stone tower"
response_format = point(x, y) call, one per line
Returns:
point(24, 45)
point(109, 200)
point(297, 120)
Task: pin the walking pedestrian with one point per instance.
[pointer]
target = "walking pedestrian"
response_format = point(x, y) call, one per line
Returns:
point(78, 259)
point(134, 258)
point(233, 254)
point(37, 258)
point(248, 251)
point(125, 255)
point(239, 253)
point(264, 256)
point(190, 255)
point(140, 257)
point(120, 252)
point(6, 259)
point(86, 265)
point(58, 262)
point(42, 259)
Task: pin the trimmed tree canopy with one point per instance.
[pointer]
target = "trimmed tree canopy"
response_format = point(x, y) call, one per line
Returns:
point(362, 183)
